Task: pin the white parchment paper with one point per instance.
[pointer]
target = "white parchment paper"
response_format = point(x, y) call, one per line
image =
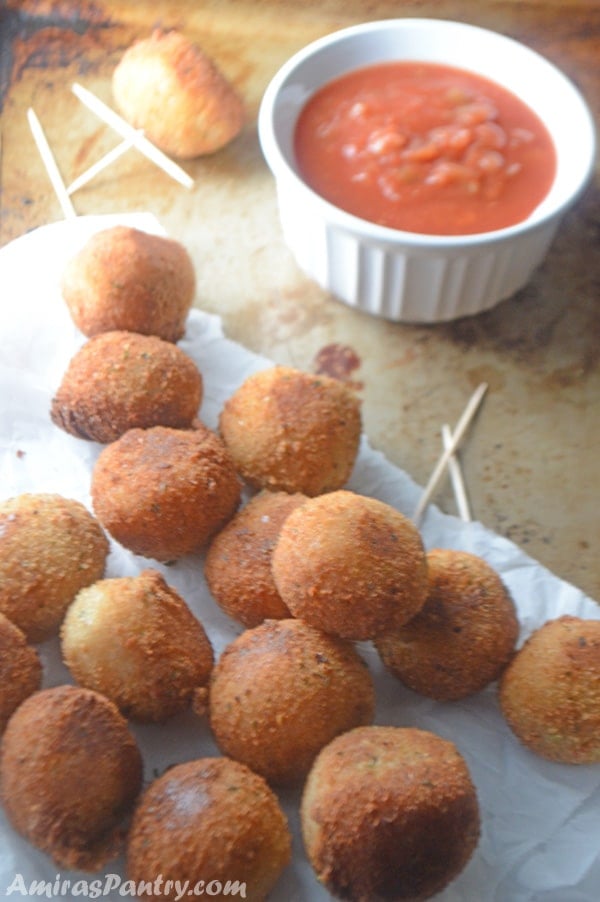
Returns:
point(541, 821)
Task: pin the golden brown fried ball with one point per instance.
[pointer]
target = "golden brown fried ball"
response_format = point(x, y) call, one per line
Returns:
point(350, 565)
point(20, 669)
point(210, 820)
point(50, 548)
point(168, 86)
point(126, 279)
point(164, 492)
point(462, 638)
point(550, 692)
point(123, 380)
point(292, 431)
point(281, 691)
point(70, 772)
point(389, 813)
point(135, 640)
point(238, 562)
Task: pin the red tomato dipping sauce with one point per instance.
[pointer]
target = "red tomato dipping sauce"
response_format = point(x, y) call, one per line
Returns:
point(425, 148)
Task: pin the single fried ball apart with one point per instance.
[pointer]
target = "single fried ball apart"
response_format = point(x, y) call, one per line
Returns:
point(20, 669)
point(462, 638)
point(126, 279)
point(123, 380)
point(169, 87)
point(238, 562)
point(70, 772)
point(389, 813)
point(135, 640)
point(164, 492)
point(50, 548)
point(211, 820)
point(282, 691)
point(550, 692)
point(292, 431)
point(350, 565)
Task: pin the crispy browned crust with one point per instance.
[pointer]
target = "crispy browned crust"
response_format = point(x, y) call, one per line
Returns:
point(69, 773)
point(20, 669)
point(238, 562)
point(168, 86)
point(211, 819)
point(550, 692)
point(135, 640)
point(164, 492)
point(123, 380)
point(462, 638)
point(389, 813)
point(50, 548)
point(292, 431)
point(350, 565)
point(126, 279)
point(281, 691)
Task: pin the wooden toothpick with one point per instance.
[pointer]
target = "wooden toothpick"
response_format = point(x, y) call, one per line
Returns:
point(108, 158)
point(50, 164)
point(136, 137)
point(457, 435)
point(456, 477)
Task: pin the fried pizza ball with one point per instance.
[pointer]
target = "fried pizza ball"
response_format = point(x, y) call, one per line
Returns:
point(20, 669)
point(292, 431)
point(550, 692)
point(168, 86)
point(50, 548)
point(462, 638)
point(164, 492)
point(282, 691)
point(211, 820)
point(238, 562)
point(350, 565)
point(123, 380)
point(389, 813)
point(126, 279)
point(135, 640)
point(70, 772)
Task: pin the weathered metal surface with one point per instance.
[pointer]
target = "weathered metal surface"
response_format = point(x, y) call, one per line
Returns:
point(532, 460)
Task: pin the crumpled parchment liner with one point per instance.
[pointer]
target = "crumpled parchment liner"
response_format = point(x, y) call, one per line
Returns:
point(540, 821)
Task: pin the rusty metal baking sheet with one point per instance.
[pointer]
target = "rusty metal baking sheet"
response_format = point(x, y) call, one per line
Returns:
point(532, 462)
point(532, 458)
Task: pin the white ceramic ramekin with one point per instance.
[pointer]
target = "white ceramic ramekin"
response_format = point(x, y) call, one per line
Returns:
point(407, 276)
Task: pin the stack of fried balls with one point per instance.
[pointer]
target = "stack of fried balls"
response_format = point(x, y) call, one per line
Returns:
point(303, 568)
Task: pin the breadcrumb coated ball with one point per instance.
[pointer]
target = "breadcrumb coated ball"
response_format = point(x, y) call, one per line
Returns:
point(127, 279)
point(50, 548)
point(389, 813)
point(282, 691)
point(292, 431)
point(550, 692)
point(163, 492)
point(135, 640)
point(123, 380)
point(238, 562)
point(20, 669)
point(211, 820)
point(70, 772)
point(168, 86)
point(462, 638)
point(350, 565)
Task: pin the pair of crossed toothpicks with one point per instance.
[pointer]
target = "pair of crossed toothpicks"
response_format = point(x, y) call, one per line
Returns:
point(131, 138)
point(448, 460)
